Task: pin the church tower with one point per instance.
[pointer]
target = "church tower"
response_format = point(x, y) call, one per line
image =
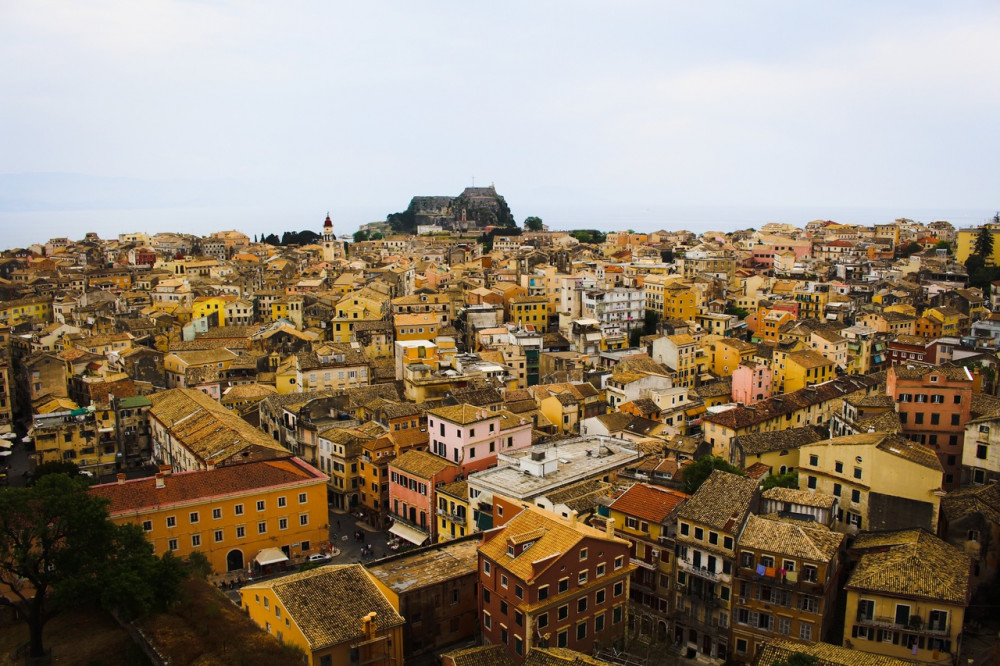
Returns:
point(332, 248)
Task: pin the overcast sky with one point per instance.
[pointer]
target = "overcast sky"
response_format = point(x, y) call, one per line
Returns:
point(330, 105)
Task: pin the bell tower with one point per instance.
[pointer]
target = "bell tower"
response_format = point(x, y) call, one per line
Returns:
point(330, 243)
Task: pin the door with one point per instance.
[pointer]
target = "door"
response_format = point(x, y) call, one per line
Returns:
point(234, 560)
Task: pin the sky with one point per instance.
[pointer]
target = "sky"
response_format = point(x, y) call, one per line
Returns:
point(273, 113)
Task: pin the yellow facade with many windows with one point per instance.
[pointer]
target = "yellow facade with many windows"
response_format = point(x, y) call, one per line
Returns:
point(229, 513)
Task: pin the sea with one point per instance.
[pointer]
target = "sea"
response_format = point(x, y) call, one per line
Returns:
point(22, 228)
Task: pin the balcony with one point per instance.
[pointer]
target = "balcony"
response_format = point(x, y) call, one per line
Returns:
point(913, 625)
point(453, 517)
point(702, 572)
point(642, 563)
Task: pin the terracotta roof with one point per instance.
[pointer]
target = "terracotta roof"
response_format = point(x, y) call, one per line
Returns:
point(793, 539)
point(801, 497)
point(650, 503)
point(555, 537)
point(462, 414)
point(328, 603)
point(970, 500)
point(722, 501)
point(422, 464)
point(483, 655)
point(142, 494)
point(915, 564)
point(761, 442)
point(777, 651)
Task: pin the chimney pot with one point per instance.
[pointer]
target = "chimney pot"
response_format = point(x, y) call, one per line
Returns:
point(160, 481)
point(573, 517)
point(165, 469)
point(121, 478)
point(609, 527)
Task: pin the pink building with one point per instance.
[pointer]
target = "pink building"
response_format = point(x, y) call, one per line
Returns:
point(413, 481)
point(751, 384)
point(471, 437)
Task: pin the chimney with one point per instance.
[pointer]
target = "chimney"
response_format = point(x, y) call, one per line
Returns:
point(165, 470)
point(572, 518)
point(368, 626)
point(121, 478)
point(609, 527)
point(160, 481)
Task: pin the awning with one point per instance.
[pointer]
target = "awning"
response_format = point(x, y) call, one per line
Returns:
point(270, 556)
point(484, 521)
point(408, 533)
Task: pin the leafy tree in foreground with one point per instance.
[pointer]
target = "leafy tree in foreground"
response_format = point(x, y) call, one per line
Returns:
point(984, 243)
point(59, 548)
point(54, 467)
point(695, 474)
point(361, 235)
point(798, 659)
point(533, 223)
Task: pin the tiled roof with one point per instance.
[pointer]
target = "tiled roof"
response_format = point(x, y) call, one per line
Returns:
point(428, 566)
point(210, 431)
point(462, 414)
point(722, 501)
point(777, 651)
point(553, 656)
point(458, 489)
point(422, 464)
point(911, 563)
point(761, 442)
point(951, 372)
point(970, 500)
point(743, 417)
point(329, 603)
point(801, 497)
point(648, 502)
point(483, 655)
point(139, 494)
point(792, 539)
point(723, 387)
point(556, 537)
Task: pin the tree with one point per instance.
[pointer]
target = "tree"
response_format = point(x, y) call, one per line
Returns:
point(943, 245)
point(378, 235)
point(984, 243)
point(733, 309)
point(54, 467)
point(361, 235)
point(911, 248)
point(59, 548)
point(695, 474)
point(650, 322)
point(786, 480)
point(533, 223)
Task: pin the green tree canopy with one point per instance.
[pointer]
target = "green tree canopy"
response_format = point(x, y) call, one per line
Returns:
point(361, 235)
point(695, 474)
point(911, 248)
point(67, 467)
point(798, 659)
point(533, 223)
point(943, 245)
point(984, 243)
point(733, 309)
point(786, 480)
point(59, 548)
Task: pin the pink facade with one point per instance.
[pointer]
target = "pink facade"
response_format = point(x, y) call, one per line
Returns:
point(473, 443)
point(413, 498)
point(751, 385)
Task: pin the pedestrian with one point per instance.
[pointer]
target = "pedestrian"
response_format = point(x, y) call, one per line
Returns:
point(338, 525)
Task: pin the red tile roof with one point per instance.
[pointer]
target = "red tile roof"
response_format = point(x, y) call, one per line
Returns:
point(650, 503)
point(142, 494)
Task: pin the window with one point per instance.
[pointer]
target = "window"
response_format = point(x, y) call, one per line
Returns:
point(685, 529)
point(838, 467)
point(487, 620)
point(262, 527)
point(581, 631)
point(172, 544)
point(503, 607)
point(303, 519)
point(216, 514)
point(902, 614)
point(241, 531)
point(193, 517)
point(599, 623)
point(956, 419)
point(563, 585)
point(583, 554)
point(866, 610)
point(837, 489)
point(302, 498)
point(619, 588)
point(171, 521)
point(784, 626)
point(195, 540)
point(519, 592)
point(616, 616)
point(581, 605)
point(281, 502)
point(260, 505)
point(805, 631)
point(486, 567)
point(239, 509)
point(746, 560)
point(518, 645)
point(857, 472)
point(543, 592)
point(147, 526)
point(282, 523)
point(562, 638)
point(811, 482)
point(503, 580)
point(600, 596)
point(619, 562)
point(935, 418)
point(727, 543)
point(813, 460)
point(218, 536)
point(582, 578)
point(713, 538)
point(600, 570)
point(563, 612)
point(855, 496)
point(699, 534)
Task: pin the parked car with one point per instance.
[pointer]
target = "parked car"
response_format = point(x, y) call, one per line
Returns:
point(320, 557)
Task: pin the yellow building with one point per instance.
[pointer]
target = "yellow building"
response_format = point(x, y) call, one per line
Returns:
point(34, 308)
point(529, 310)
point(812, 304)
point(204, 306)
point(953, 322)
point(907, 597)
point(966, 245)
point(680, 302)
point(795, 370)
point(453, 510)
point(726, 354)
point(416, 326)
point(229, 513)
point(83, 436)
point(351, 310)
point(871, 471)
point(336, 614)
